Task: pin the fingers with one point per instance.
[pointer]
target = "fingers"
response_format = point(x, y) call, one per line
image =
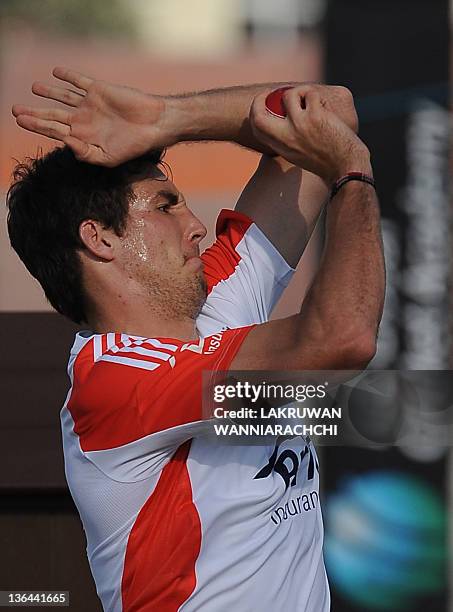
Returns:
point(299, 100)
point(49, 114)
point(51, 129)
point(60, 94)
point(86, 152)
point(78, 147)
point(35, 122)
point(71, 76)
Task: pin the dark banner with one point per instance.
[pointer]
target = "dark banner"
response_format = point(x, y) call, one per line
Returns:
point(385, 510)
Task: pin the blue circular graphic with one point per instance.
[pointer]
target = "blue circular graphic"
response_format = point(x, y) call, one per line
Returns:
point(385, 544)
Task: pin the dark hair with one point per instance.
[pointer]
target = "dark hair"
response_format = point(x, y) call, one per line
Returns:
point(49, 198)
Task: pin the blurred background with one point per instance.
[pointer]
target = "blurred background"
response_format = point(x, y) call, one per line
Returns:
point(386, 511)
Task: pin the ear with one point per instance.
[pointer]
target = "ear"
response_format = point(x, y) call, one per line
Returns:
point(97, 240)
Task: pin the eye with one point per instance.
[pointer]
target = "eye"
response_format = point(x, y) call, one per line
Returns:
point(165, 207)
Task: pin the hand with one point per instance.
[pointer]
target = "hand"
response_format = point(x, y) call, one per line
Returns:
point(312, 136)
point(340, 100)
point(103, 124)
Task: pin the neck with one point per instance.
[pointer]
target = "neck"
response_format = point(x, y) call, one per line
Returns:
point(124, 306)
point(144, 324)
point(143, 320)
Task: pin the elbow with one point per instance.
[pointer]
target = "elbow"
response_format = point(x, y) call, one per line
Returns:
point(357, 349)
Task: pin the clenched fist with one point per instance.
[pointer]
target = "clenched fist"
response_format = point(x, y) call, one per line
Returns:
point(317, 134)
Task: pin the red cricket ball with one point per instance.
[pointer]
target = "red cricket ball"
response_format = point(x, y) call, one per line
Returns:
point(274, 103)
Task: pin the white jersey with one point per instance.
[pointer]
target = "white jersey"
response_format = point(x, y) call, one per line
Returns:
point(174, 520)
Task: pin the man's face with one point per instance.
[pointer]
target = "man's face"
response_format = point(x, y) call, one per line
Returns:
point(160, 249)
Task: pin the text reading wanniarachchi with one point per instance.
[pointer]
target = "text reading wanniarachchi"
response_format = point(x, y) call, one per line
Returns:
point(234, 429)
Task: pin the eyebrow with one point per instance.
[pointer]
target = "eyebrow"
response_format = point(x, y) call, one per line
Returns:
point(170, 196)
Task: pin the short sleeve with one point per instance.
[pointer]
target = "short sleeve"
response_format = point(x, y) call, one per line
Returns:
point(245, 275)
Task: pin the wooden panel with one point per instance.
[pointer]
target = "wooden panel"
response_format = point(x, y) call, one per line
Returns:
point(43, 548)
point(33, 387)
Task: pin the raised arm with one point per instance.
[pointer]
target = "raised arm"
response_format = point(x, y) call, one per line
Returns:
point(338, 322)
point(107, 124)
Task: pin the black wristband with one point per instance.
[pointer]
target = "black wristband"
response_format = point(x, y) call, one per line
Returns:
point(351, 176)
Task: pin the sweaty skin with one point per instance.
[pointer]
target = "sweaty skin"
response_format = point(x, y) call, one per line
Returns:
point(155, 256)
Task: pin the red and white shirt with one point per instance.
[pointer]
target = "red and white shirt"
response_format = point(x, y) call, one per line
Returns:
point(176, 520)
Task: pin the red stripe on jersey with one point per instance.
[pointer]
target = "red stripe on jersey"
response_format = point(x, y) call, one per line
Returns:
point(221, 259)
point(164, 544)
point(226, 215)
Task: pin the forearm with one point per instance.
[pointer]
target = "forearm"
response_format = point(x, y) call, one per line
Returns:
point(348, 293)
point(223, 114)
point(337, 325)
point(218, 114)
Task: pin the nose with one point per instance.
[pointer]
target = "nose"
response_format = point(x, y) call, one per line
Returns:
point(195, 231)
